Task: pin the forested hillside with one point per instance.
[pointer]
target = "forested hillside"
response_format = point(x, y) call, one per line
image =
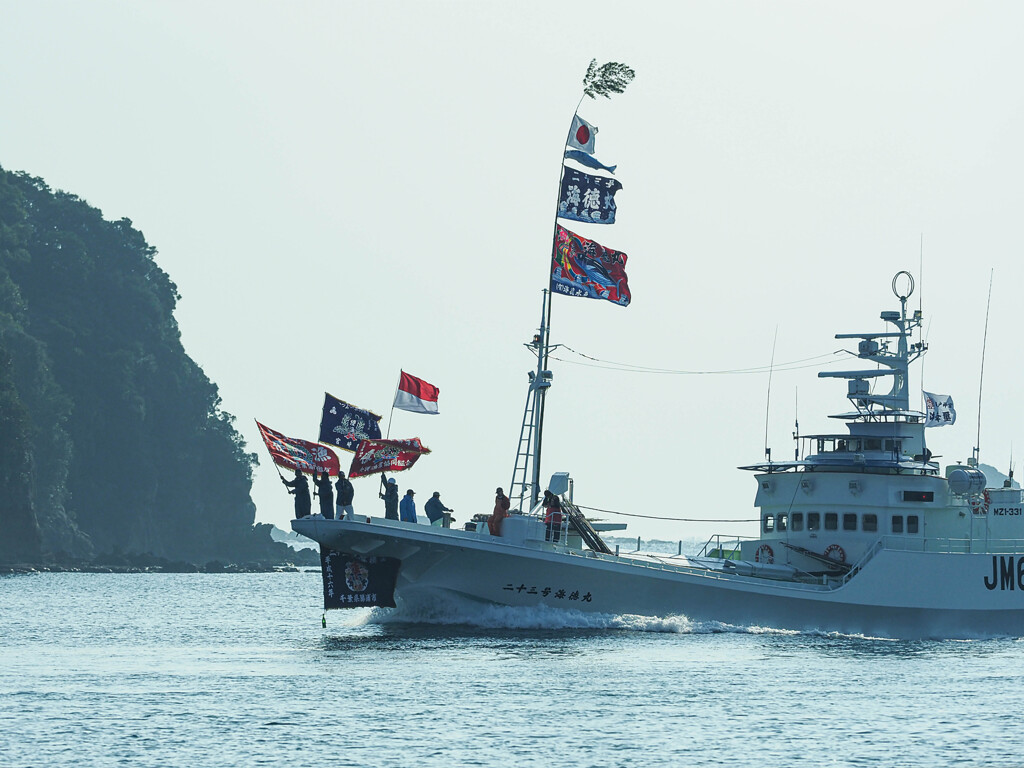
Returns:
point(112, 440)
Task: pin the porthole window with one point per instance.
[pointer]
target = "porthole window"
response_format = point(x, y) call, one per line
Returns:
point(897, 523)
point(814, 521)
point(831, 521)
point(870, 523)
point(911, 523)
point(797, 521)
point(769, 523)
point(849, 521)
point(782, 522)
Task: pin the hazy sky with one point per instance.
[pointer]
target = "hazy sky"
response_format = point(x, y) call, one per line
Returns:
point(340, 190)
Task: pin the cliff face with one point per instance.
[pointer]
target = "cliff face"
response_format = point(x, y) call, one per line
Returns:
point(111, 438)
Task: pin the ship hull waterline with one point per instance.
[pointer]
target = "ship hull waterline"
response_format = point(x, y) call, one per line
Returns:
point(896, 594)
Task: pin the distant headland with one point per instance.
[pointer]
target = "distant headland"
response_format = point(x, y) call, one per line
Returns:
point(114, 447)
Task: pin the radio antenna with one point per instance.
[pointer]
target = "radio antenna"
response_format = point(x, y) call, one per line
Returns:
point(768, 399)
point(981, 377)
point(796, 423)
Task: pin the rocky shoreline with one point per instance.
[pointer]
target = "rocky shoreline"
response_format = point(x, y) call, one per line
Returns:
point(146, 563)
point(182, 568)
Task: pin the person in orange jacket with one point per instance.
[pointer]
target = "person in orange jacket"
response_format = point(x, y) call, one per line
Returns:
point(501, 505)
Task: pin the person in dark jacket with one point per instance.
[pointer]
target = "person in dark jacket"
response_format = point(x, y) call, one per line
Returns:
point(345, 495)
point(326, 494)
point(390, 496)
point(300, 489)
point(435, 510)
point(552, 517)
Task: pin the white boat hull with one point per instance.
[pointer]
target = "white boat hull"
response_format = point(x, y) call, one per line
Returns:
point(896, 593)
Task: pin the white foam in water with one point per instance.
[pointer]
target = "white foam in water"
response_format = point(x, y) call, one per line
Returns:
point(451, 610)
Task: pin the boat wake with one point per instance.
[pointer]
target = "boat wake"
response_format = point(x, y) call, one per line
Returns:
point(451, 610)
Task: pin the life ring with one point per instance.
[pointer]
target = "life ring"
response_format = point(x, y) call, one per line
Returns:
point(835, 552)
point(764, 554)
point(979, 504)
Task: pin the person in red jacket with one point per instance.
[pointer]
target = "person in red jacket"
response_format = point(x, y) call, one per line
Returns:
point(501, 505)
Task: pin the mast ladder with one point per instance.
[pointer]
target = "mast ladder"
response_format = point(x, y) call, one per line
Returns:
point(521, 487)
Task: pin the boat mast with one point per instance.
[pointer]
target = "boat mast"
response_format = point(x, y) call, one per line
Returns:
point(605, 80)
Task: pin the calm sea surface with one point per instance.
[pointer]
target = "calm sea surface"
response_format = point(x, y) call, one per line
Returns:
point(235, 670)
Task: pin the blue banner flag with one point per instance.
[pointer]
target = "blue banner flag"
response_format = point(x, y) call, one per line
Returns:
point(343, 425)
point(587, 198)
point(354, 581)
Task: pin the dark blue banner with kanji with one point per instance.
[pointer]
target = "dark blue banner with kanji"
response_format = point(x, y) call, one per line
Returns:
point(587, 198)
point(352, 581)
point(343, 425)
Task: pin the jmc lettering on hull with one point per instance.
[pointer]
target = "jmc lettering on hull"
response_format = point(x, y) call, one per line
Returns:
point(1004, 574)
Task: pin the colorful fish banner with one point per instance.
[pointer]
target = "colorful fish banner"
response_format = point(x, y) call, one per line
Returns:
point(582, 267)
point(343, 425)
point(292, 453)
point(374, 456)
point(587, 198)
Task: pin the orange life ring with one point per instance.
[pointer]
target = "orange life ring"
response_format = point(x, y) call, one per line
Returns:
point(764, 554)
point(835, 552)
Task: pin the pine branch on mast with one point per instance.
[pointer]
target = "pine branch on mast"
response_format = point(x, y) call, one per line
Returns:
point(604, 80)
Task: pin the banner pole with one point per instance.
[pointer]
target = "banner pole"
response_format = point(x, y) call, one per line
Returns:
point(545, 330)
point(390, 415)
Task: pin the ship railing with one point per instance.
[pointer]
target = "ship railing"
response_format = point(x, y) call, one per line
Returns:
point(723, 547)
point(962, 546)
point(873, 550)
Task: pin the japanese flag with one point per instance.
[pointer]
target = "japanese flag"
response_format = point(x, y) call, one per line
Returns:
point(582, 135)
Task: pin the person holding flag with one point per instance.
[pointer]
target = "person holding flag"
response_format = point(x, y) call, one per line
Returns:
point(299, 487)
point(390, 496)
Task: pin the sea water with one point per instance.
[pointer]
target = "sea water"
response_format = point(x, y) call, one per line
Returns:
point(190, 670)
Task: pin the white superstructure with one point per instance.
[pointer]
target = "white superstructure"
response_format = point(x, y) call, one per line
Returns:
point(862, 533)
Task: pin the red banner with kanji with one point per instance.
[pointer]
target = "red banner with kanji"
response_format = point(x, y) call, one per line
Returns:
point(292, 453)
point(374, 456)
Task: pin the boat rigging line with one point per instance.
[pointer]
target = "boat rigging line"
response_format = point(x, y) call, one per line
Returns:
point(793, 365)
point(673, 519)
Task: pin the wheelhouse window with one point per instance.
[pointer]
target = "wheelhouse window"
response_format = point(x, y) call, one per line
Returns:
point(831, 521)
point(797, 521)
point(814, 521)
point(849, 521)
point(873, 444)
point(870, 523)
point(911, 523)
point(769, 524)
point(781, 522)
point(897, 523)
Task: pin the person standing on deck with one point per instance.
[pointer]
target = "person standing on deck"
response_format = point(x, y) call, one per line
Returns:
point(390, 496)
point(345, 495)
point(501, 505)
point(300, 489)
point(326, 494)
point(552, 517)
point(408, 510)
point(435, 510)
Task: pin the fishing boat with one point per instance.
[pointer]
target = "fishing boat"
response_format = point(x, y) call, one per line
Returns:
point(862, 532)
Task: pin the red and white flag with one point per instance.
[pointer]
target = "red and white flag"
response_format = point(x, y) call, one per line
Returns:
point(416, 395)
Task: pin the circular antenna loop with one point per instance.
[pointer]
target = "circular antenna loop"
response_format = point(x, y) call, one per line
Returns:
point(907, 285)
